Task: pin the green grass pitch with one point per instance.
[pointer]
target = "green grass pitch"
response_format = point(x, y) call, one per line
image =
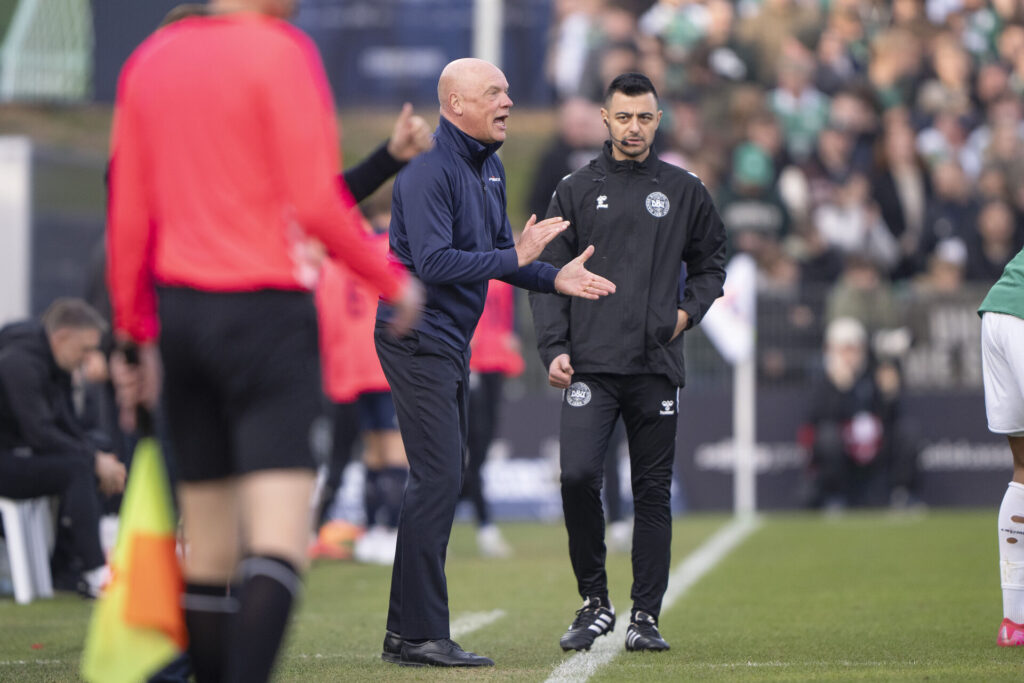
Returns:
point(866, 596)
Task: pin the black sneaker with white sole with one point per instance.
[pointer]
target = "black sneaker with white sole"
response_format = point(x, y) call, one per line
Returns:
point(592, 620)
point(642, 634)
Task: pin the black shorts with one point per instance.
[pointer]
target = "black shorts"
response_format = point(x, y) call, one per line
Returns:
point(377, 411)
point(241, 380)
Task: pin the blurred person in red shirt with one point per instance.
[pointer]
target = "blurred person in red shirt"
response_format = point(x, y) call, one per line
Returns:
point(355, 383)
point(224, 163)
point(343, 304)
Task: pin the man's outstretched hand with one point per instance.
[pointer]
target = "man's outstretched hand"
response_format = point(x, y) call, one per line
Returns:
point(536, 236)
point(575, 280)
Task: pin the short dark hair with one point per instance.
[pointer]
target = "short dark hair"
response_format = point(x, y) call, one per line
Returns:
point(631, 84)
point(67, 312)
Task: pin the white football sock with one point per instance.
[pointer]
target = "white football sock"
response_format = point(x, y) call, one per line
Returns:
point(1011, 552)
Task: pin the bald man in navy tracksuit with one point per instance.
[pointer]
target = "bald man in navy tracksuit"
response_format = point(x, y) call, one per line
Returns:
point(450, 229)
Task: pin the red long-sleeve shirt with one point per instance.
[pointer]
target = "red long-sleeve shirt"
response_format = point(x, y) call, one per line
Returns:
point(224, 161)
point(347, 313)
point(494, 344)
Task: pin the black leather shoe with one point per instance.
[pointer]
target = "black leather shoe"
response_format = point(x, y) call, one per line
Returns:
point(392, 650)
point(445, 652)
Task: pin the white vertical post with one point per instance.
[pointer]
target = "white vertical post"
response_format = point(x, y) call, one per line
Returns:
point(15, 226)
point(488, 17)
point(744, 421)
point(731, 326)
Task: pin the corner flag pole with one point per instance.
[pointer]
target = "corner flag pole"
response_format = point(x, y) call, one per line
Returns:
point(744, 427)
point(730, 325)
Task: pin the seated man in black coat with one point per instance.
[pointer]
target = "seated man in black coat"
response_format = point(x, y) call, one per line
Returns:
point(44, 450)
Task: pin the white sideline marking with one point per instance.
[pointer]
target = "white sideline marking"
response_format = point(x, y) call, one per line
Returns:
point(703, 559)
point(471, 621)
point(583, 665)
point(784, 665)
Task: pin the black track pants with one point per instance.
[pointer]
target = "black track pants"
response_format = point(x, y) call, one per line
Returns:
point(430, 385)
point(73, 478)
point(649, 407)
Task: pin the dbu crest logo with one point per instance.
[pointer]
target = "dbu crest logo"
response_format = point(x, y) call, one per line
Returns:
point(666, 408)
point(578, 395)
point(657, 204)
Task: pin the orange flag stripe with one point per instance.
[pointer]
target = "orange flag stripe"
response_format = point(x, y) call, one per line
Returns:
point(155, 586)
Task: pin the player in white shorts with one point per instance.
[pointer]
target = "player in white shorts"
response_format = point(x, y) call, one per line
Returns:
point(1002, 354)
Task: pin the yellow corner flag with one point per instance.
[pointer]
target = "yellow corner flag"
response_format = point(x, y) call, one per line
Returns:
point(137, 624)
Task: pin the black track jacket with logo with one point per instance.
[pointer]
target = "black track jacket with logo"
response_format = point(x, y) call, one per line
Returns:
point(645, 219)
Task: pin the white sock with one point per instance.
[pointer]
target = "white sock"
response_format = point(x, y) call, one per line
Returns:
point(1011, 552)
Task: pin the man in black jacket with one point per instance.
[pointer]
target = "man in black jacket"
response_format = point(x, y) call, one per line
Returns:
point(43, 449)
point(624, 354)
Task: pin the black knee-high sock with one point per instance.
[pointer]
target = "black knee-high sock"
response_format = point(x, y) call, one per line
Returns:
point(209, 611)
point(371, 496)
point(270, 585)
point(391, 488)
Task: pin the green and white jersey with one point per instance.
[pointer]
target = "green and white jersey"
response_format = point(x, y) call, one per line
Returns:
point(1007, 294)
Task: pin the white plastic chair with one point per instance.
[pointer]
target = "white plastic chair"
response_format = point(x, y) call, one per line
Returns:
point(28, 528)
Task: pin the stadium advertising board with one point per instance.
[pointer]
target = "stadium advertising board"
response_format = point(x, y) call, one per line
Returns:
point(960, 463)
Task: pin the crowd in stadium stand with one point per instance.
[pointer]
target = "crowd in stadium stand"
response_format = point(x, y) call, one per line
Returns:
point(867, 153)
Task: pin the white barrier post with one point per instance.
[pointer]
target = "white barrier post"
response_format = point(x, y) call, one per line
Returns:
point(730, 324)
point(744, 421)
point(488, 17)
point(15, 226)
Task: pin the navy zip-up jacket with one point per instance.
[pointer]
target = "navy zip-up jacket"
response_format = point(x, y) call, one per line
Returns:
point(450, 229)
